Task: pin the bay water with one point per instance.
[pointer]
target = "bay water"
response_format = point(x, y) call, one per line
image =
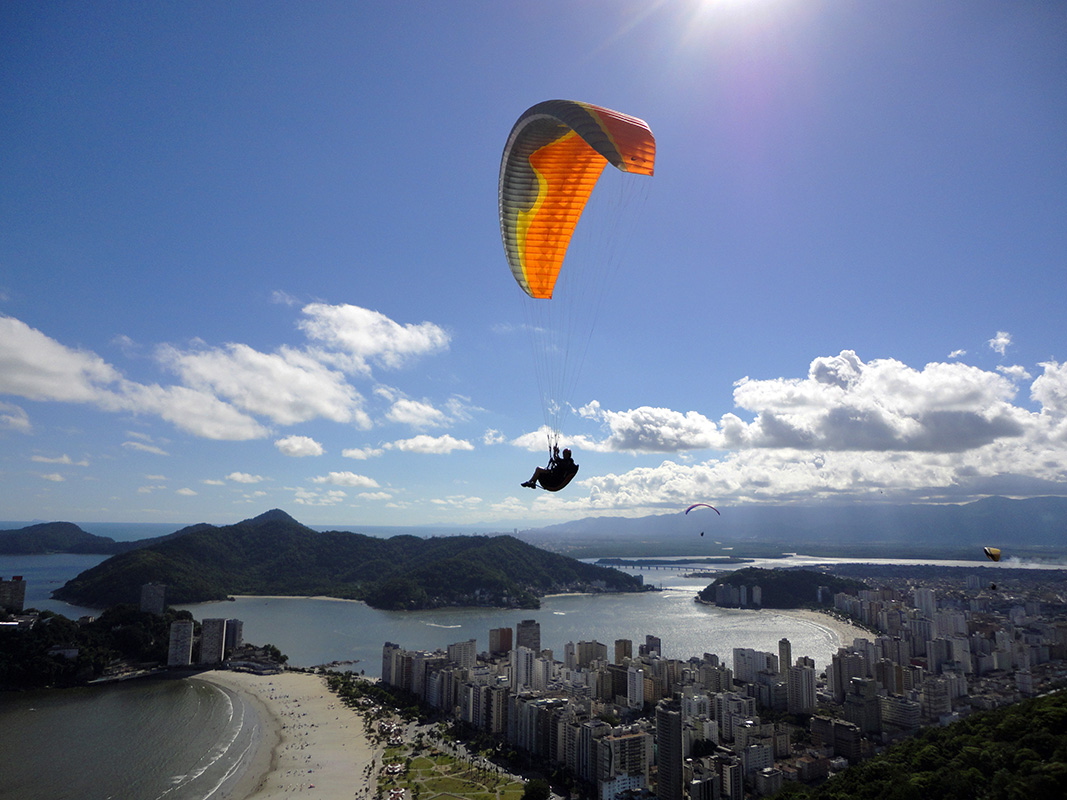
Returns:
point(183, 739)
point(147, 739)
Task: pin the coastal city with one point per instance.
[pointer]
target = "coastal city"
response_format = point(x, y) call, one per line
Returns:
point(625, 722)
point(620, 720)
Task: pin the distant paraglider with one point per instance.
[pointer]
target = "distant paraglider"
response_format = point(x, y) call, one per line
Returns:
point(993, 554)
point(704, 505)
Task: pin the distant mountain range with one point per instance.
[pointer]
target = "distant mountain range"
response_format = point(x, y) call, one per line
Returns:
point(1031, 528)
point(273, 554)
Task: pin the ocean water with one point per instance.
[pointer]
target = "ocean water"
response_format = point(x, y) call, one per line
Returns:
point(148, 739)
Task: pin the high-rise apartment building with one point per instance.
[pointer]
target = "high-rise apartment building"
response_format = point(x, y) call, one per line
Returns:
point(669, 754)
point(522, 668)
point(926, 602)
point(588, 652)
point(235, 635)
point(180, 649)
point(800, 690)
point(748, 663)
point(785, 655)
point(528, 635)
point(635, 687)
point(212, 640)
point(390, 660)
point(623, 758)
point(844, 666)
point(499, 641)
point(465, 654)
point(624, 648)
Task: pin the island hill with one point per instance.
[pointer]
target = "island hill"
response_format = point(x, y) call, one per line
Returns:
point(47, 538)
point(777, 588)
point(273, 554)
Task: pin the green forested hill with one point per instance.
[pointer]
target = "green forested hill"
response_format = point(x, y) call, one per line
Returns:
point(274, 554)
point(54, 537)
point(784, 588)
point(45, 538)
point(1014, 752)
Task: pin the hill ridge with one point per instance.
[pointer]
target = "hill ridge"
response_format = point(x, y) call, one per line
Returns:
point(275, 554)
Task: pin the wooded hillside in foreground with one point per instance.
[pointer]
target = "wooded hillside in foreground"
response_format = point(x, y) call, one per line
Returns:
point(1015, 752)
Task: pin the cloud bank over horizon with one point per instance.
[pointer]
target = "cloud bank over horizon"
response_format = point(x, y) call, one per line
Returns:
point(947, 431)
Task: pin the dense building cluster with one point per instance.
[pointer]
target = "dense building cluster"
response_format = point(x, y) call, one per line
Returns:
point(219, 638)
point(627, 723)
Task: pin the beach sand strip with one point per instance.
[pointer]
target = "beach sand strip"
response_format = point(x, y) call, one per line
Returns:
point(311, 742)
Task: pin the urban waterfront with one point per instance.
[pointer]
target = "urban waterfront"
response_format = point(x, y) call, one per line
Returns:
point(316, 631)
point(312, 631)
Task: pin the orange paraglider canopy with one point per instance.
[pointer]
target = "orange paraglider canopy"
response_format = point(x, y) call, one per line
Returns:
point(552, 160)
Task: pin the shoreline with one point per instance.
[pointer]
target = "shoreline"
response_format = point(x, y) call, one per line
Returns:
point(843, 630)
point(308, 737)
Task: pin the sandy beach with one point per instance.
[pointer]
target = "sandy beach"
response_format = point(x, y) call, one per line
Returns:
point(845, 631)
point(311, 742)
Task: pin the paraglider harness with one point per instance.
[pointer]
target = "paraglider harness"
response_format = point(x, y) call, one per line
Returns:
point(560, 470)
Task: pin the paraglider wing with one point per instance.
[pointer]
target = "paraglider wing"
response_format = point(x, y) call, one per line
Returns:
point(702, 505)
point(551, 162)
point(992, 553)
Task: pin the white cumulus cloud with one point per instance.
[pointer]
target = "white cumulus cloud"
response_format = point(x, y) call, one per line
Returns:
point(366, 337)
point(659, 430)
point(309, 497)
point(1001, 342)
point(879, 430)
point(416, 413)
point(36, 367)
point(288, 387)
point(350, 479)
point(362, 453)
point(430, 444)
point(848, 404)
point(375, 496)
point(244, 477)
point(299, 446)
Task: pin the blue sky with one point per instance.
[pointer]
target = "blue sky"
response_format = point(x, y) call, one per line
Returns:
point(250, 258)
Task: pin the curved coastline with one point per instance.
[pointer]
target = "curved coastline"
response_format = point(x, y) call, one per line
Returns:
point(310, 738)
point(844, 631)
